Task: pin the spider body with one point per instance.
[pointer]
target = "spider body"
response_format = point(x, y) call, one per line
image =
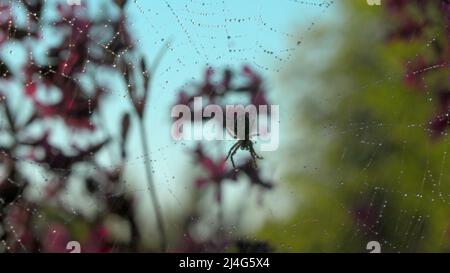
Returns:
point(244, 144)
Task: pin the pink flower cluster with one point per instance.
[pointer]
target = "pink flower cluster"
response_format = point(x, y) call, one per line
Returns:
point(86, 45)
point(414, 21)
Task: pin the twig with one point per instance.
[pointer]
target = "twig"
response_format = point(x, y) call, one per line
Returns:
point(144, 140)
point(152, 189)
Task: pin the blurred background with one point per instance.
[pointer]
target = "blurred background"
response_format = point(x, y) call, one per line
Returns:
point(87, 157)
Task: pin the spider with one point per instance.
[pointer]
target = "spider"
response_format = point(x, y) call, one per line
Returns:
point(244, 144)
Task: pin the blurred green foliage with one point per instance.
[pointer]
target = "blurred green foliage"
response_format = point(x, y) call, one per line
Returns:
point(379, 174)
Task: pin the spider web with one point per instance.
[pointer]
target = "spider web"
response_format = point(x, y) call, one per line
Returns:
point(414, 204)
point(218, 33)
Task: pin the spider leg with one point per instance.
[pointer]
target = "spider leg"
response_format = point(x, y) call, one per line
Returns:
point(232, 154)
point(252, 151)
point(254, 156)
point(231, 150)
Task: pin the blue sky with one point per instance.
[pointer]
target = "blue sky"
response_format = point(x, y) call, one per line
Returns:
point(264, 34)
point(219, 33)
